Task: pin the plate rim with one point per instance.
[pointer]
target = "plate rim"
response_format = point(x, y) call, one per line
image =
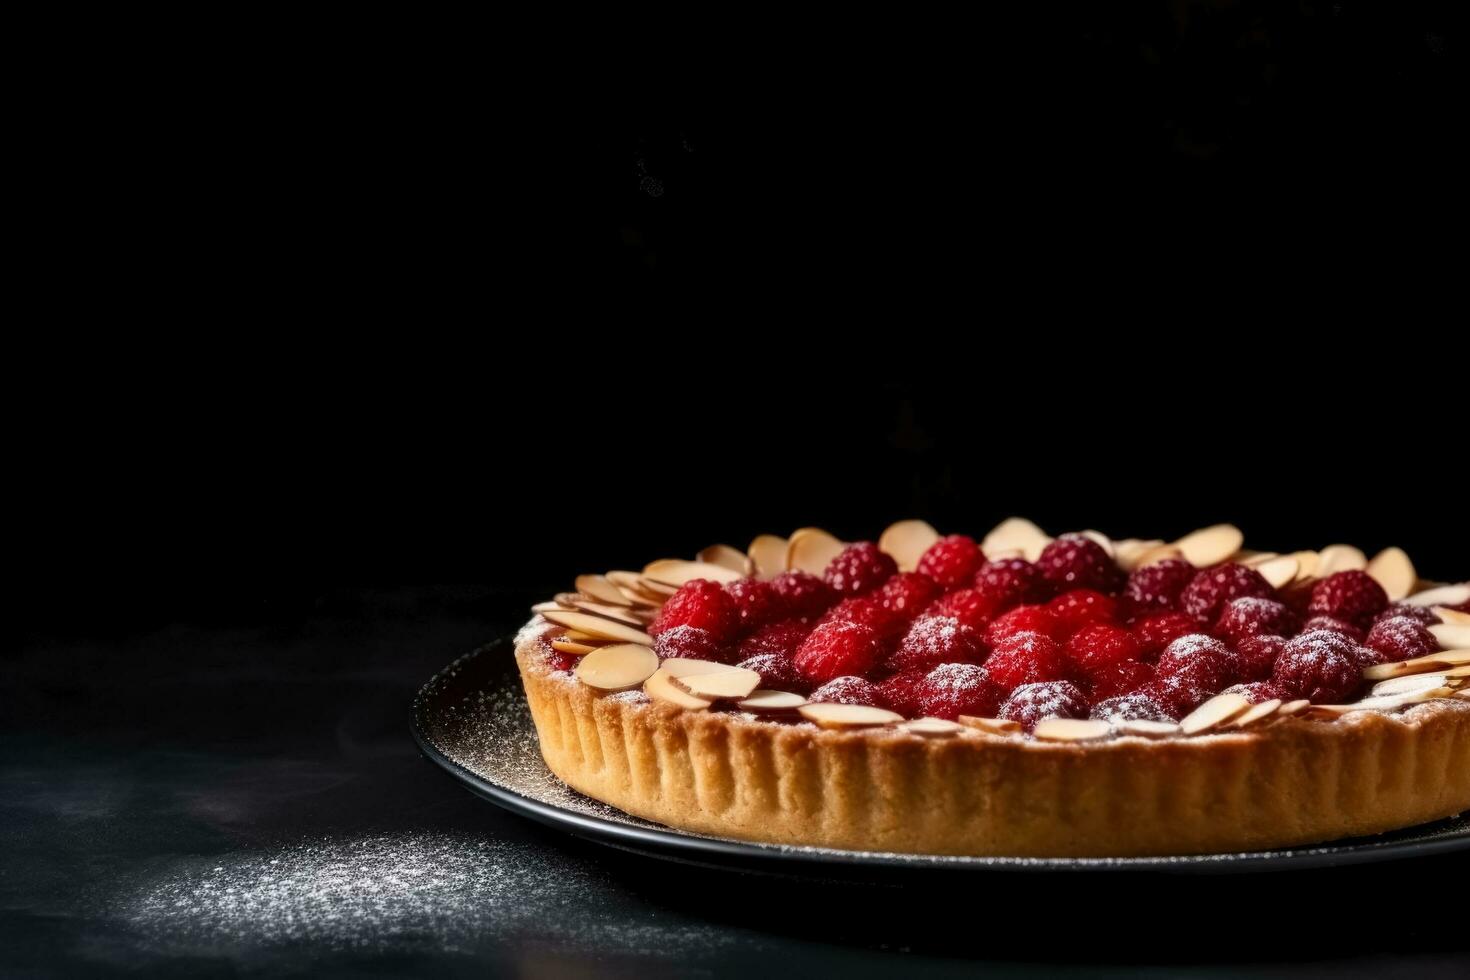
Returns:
point(659, 840)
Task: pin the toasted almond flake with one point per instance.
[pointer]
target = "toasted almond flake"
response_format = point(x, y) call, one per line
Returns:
point(688, 667)
point(601, 589)
point(1408, 684)
point(906, 541)
point(1292, 708)
point(1430, 664)
point(1156, 554)
point(1280, 571)
point(1103, 541)
point(597, 626)
point(571, 646)
point(1307, 560)
point(1216, 711)
point(671, 572)
point(1147, 729)
point(657, 590)
point(1451, 636)
point(1128, 550)
point(1458, 673)
point(811, 549)
point(848, 715)
point(624, 579)
point(731, 684)
point(577, 636)
point(727, 557)
point(1391, 701)
point(542, 607)
point(1015, 532)
point(1210, 545)
point(618, 614)
point(1448, 615)
point(1071, 729)
point(569, 600)
point(772, 701)
point(932, 727)
point(1327, 711)
point(646, 600)
point(768, 552)
point(1339, 558)
point(995, 726)
point(1392, 569)
point(661, 687)
point(1443, 595)
point(618, 667)
point(1249, 558)
point(1255, 713)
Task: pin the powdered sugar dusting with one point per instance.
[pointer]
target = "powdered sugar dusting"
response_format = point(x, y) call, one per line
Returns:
point(956, 678)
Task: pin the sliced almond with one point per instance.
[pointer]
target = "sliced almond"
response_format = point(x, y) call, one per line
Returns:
point(1156, 554)
point(1280, 571)
point(1329, 711)
point(569, 600)
point(1210, 545)
point(811, 550)
point(1451, 636)
point(1214, 712)
point(1250, 558)
point(1431, 664)
point(1147, 729)
point(571, 646)
point(1444, 595)
point(661, 687)
point(1339, 558)
point(906, 542)
point(1071, 729)
point(624, 579)
point(1128, 550)
point(1408, 684)
point(1307, 560)
point(618, 614)
point(542, 607)
point(1103, 541)
point(728, 685)
point(931, 727)
point(995, 726)
point(1256, 712)
point(848, 715)
point(658, 591)
point(1015, 532)
point(672, 572)
point(618, 667)
point(1448, 615)
point(601, 589)
point(771, 701)
point(1458, 673)
point(577, 636)
point(1389, 702)
point(1292, 708)
point(1392, 569)
point(727, 557)
point(1004, 554)
point(687, 667)
point(597, 626)
point(768, 552)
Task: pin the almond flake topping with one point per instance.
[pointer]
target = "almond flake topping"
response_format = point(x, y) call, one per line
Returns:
point(618, 667)
point(1216, 711)
point(848, 715)
point(906, 542)
point(1072, 729)
point(596, 626)
point(1392, 569)
point(1210, 545)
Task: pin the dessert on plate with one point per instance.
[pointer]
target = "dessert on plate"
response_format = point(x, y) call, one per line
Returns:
point(1014, 695)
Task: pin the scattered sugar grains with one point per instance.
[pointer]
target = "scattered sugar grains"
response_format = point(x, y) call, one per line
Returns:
point(442, 891)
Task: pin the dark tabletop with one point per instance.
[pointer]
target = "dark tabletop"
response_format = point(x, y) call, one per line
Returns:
point(244, 797)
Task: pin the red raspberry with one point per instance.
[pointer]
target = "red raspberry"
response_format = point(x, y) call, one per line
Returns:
point(847, 690)
point(1024, 619)
point(951, 690)
point(1073, 561)
point(859, 569)
point(1420, 614)
point(1030, 703)
point(1137, 706)
point(969, 606)
point(782, 638)
point(906, 594)
point(1156, 587)
point(901, 693)
point(1257, 691)
point(1099, 644)
point(1010, 582)
point(1333, 626)
point(1158, 630)
point(778, 672)
point(1118, 677)
point(1027, 658)
point(1353, 597)
point(935, 640)
point(1321, 666)
point(1199, 663)
point(1079, 607)
point(1252, 616)
point(1177, 697)
point(756, 603)
point(867, 610)
point(802, 594)
point(692, 643)
point(558, 661)
point(952, 561)
point(1400, 638)
point(1211, 588)
point(834, 649)
point(700, 603)
point(1255, 656)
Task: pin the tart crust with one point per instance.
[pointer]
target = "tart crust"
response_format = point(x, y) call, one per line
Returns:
point(1296, 781)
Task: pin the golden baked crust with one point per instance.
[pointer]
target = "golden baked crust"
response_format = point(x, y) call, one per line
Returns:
point(1296, 781)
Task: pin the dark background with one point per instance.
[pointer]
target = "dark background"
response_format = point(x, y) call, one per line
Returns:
point(353, 350)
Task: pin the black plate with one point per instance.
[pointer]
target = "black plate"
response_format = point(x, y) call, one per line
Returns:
point(471, 718)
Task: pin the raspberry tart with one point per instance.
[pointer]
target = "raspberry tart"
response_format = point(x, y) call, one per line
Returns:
point(1016, 695)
